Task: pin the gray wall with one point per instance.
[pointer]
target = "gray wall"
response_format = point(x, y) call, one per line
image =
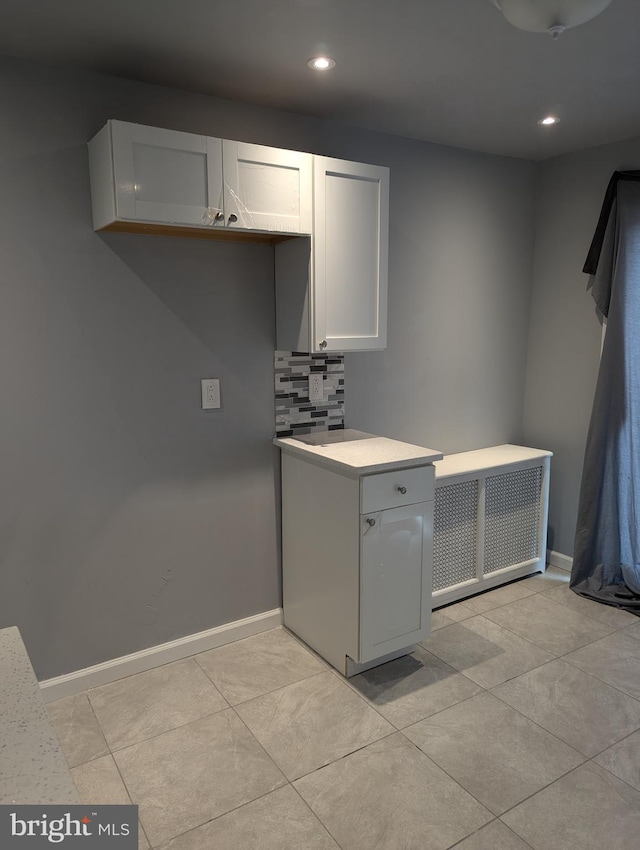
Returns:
point(129, 517)
point(459, 287)
point(565, 333)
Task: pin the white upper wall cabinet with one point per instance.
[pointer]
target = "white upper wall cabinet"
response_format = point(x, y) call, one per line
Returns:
point(267, 188)
point(331, 293)
point(350, 247)
point(141, 173)
point(331, 288)
point(145, 174)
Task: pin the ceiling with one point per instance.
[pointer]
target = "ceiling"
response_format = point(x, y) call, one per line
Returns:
point(449, 71)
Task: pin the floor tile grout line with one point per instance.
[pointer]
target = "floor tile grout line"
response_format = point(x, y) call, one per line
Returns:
point(346, 755)
point(496, 819)
point(511, 829)
point(615, 744)
point(124, 784)
point(400, 728)
point(593, 675)
point(585, 760)
point(586, 757)
point(74, 698)
point(599, 622)
point(172, 729)
point(235, 808)
point(263, 748)
point(615, 775)
point(224, 814)
point(529, 640)
point(113, 751)
point(546, 649)
point(317, 817)
point(126, 787)
point(446, 772)
point(179, 726)
point(581, 614)
point(280, 688)
point(588, 761)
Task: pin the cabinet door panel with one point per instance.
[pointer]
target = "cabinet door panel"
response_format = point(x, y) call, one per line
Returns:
point(267, 188)
point(166, 176)
point(350, 254)
point(395, 590)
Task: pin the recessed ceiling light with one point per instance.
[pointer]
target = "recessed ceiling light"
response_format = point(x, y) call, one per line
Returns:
point(322, 63)
point(549, 120)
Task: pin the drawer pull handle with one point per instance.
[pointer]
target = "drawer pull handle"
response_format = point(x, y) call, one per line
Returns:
point(370, 521)
point(402, 490)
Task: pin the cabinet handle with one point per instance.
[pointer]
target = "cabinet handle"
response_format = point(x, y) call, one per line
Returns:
point(233, 218)
point(322, 343)
point(402, 490)
point(219, 216)
point(370, 521)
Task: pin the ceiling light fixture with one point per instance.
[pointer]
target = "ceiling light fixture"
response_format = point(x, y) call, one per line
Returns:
point(548, 121)
point(322, 63)
point(551, 16)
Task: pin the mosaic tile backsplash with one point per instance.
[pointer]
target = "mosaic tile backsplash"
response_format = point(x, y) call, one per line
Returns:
point(295, 414)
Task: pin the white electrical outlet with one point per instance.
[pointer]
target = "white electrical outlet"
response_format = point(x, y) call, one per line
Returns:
point(316, 388)
point(210, 393)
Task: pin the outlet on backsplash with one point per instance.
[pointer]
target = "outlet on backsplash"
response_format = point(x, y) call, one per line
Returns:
point(296, 412)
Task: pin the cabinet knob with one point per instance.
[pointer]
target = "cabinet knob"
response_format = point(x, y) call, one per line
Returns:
point(370, 521)
point(322, 343)
point(219, 216)
point(402, 490)
point(233, 218)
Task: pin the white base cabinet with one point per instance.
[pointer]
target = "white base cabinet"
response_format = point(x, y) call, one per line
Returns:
point(357, 561)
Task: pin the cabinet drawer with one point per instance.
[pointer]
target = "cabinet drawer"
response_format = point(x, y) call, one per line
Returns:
point(397, 488)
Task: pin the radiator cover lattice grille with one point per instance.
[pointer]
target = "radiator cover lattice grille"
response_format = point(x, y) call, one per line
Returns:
point(455, 533)
point(512, 517)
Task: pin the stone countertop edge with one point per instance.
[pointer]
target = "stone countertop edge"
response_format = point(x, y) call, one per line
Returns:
point(33, 769)
point(493, 458)
point(365, 456)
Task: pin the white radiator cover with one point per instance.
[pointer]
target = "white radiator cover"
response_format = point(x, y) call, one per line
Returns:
point(490, 519)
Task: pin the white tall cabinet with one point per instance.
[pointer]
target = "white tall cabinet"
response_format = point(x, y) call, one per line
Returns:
point(331, 293)
point(357, 539)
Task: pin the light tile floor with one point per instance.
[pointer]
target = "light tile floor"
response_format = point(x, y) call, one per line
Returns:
point(515, 726)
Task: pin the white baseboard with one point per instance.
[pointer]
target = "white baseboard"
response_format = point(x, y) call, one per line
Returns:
point(557, 559)
point(156, 656)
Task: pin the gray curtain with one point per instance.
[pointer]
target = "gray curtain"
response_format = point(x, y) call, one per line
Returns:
point(606, 562)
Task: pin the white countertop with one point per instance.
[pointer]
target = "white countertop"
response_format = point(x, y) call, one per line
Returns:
point(356, 453)
point(32, 766)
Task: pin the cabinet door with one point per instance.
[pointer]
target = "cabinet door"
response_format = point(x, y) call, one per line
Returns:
point(267, 188)
point(166, 176)
point(351, 233)
point(395, 573)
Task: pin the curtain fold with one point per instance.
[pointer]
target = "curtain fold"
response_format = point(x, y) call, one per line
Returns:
point(606, 562)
